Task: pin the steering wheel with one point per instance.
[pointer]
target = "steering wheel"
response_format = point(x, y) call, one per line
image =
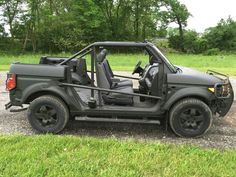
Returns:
point(137, 68)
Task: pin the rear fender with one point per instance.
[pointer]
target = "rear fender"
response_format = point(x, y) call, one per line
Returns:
point(66, 94)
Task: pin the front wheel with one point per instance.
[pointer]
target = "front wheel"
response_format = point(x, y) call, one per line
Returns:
point(190, 118)
point(48, 114)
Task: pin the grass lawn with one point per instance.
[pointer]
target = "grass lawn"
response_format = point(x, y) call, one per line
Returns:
point(121, 62)
point(51, 155)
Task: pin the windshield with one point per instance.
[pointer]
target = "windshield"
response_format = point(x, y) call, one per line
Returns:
point(170, 65)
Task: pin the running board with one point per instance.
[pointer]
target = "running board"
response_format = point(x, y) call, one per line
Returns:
point(94, 119)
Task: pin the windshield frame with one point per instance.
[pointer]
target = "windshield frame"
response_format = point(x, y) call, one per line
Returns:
point(163, 57)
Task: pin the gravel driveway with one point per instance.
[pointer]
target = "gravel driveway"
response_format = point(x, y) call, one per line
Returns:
point(222, 134)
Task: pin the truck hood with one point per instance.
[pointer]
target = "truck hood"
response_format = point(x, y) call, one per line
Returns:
point(189, 76)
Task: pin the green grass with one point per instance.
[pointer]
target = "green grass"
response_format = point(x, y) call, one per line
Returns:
point(121, 62)
point(82, 156)
point(4, 67)
point(225, 64)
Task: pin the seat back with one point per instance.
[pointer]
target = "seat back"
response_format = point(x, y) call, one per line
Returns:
point(108, 68)
point(103, 80)
point(81, 70)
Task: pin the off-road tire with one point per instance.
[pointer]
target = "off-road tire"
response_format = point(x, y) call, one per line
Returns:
point(60, 111)
point(179, 118)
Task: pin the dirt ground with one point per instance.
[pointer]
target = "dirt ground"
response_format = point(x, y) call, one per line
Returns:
point(221, 135)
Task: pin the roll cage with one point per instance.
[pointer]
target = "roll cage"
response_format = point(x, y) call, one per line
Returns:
point(91, 49)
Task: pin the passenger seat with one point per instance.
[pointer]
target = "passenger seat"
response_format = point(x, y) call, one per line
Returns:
point(104, 81)
point(115, 81)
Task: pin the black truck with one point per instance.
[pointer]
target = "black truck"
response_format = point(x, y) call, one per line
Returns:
point(59, 89)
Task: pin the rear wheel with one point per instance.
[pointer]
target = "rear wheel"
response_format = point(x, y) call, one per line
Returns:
point(48, 114)
point(190, 118)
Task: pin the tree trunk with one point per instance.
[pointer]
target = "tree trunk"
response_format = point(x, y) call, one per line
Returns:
point(33, 40)
point(144, 31)
point(34, 45)
point(25, 41)
point(12, 36)
point(51, 6)
point(136, 26)
point(181, 35)
point(11, 30)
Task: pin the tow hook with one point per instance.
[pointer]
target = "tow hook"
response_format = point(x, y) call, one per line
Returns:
point(18, 110)
point(8, 105)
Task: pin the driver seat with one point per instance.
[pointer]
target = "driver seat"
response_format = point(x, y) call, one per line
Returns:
point(115, 81)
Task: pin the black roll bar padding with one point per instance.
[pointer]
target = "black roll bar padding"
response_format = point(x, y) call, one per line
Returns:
point(110, 43)
point(77, 54)
point(128, 77)
point(93, 58)
point(89, 51)
point(108, 90)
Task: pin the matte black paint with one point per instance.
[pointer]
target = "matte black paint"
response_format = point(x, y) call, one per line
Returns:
point(192, 77)
point(171, 86)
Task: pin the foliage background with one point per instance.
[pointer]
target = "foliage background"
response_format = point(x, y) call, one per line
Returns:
point(51, 26)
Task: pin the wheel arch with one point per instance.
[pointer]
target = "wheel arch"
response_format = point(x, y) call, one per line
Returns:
point(203, 99)
point(37, 94)
point(67, 95)
point(200, 94)
point(55, 91)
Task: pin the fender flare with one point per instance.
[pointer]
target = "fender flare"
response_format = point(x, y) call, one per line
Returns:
point(50, 88)
point(197, 92)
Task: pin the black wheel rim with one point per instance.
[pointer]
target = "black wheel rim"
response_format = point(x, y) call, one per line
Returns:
point(46, 115)
point(191, 119)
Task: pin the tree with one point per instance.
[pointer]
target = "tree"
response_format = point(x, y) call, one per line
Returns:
point(193, 42)
point(117, 18)
point(11, 10)
point(178, 13)
point(223, 36)
point(145, 19)
point(59, 25)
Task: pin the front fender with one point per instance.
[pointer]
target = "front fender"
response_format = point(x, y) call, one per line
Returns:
point(199, 92)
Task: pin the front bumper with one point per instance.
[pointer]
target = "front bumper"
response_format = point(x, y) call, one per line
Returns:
point(223, 104)
point(224, 94)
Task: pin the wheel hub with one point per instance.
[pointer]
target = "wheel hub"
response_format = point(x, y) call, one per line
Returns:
point(46, 115)
point(191, 119)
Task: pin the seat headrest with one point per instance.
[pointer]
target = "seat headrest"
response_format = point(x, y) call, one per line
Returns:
point(102, 55)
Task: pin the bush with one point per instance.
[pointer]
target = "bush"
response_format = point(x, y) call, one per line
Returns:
point(213, 51)
point(192, 42)
point(163, 45)
point(223, 36)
